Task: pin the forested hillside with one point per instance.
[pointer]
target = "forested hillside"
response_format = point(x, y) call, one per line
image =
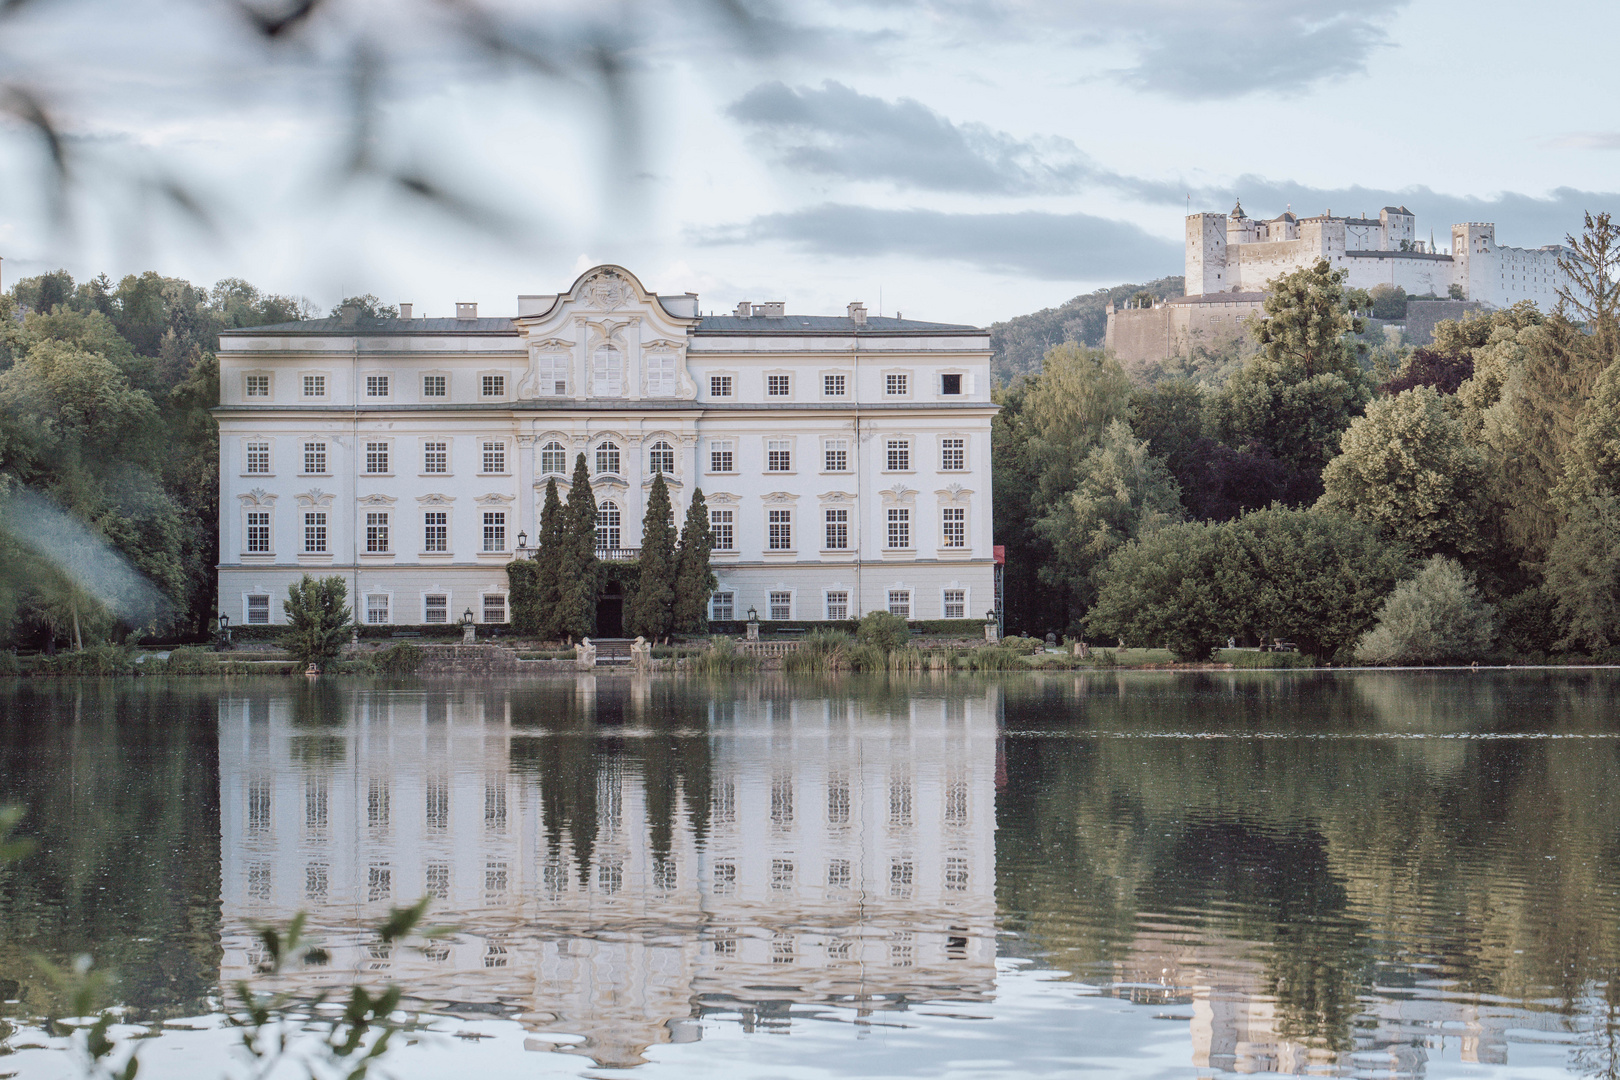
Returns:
point(109, 464)
point(1017, 345)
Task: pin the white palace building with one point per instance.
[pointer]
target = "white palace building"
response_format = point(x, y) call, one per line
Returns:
point(845, 460)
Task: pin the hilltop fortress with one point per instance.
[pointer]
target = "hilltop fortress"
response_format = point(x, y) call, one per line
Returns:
point(1230, 257)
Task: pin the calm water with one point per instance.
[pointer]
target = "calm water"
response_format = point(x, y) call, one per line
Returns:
point(1142, 875)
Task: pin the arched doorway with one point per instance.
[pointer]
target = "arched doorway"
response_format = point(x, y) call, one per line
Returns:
point(610, 610)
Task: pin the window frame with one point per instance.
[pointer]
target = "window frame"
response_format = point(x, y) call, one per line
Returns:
point(961, 383)
point(729, 524)
point(248, 606)
point(660, 447)
point(729, 381)
point(501, 457)
point(614, 454)
point(843, 385)
point(945, 449)
point(843, 605)
point(494, 531)
point(248, 378)
point(249, 446)
point(485, 607)
point(779, 384)
point(378, 537)
point(427, 445)
point(444, 380)
point(428, 538)
point(835, 445)
point(897, 454)
point(609, 522)
point(249, 525)
point(949, 525)
point(427, 607)
point(378, 451)
point(730, 605)
point(492, 386)
point(372, 608)
point(904, 384)
point(945, 603)
point(728, 447)
point(553, 446)
point(830, 524)
point(321, 451)
point(898, 525)
point(324, 380)
point(387, 388)
point(779, 446)
point(779, 605)
point(779, 530)
point(316, 531)
point(904, 602)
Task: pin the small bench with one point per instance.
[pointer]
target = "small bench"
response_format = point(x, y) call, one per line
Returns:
point(406, 633)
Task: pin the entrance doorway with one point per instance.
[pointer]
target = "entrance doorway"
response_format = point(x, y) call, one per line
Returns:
point(610, 611)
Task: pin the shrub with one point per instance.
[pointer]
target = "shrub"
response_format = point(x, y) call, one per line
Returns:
point(1527, 623)
point(96, 660)
point(402, 658)
point(991, 658)
point(869, 658)
point(883, 630)
point(823, 650)
point(317, 619)
point(9, 664)
point(190, 660)
point(1435, 617)
point(723, 659)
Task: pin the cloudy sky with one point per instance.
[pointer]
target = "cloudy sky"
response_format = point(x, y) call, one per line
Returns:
point(958, 160)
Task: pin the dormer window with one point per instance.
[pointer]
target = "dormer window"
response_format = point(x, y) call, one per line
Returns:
point(607, 372)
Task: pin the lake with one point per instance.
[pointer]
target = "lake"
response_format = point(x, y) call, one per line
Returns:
point(1141, 874)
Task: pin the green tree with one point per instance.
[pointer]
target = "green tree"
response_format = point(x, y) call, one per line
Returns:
point(1170, 416)
point(550, 547)
point(1308, 325)
point(1268, 408)
point(1122, 492)
point(1178, 587)
point(694, 580)
point(651, 606)
point(577, 569)
point(1435, 617)
point(1583, 573)
point(366, 307)
point(317, 619)
point(886, 631)
point(1407, 467)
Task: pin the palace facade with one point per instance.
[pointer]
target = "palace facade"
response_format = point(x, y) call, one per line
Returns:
point(845, 461)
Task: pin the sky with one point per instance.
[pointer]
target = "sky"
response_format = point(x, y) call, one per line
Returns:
point(950, 160)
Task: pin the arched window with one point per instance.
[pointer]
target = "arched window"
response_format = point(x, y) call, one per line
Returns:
point(608, 531)
point(553, 458)
point(607, 372)
point(607, 458)
point(661, 459)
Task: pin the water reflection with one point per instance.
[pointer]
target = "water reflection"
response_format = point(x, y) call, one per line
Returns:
point(623, 857)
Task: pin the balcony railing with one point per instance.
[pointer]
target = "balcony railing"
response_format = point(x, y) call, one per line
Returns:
point(618, 554)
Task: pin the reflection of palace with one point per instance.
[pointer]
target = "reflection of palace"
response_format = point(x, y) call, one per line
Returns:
point(841, 852)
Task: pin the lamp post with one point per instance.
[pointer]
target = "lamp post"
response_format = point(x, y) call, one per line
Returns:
point(469, 631)
point(224, 631)
point(990, 626)
point(753, 625)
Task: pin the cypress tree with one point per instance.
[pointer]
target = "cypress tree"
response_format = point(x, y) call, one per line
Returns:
point(694, 581)
point(650, 613)
point(548, 557)
point(576, 573)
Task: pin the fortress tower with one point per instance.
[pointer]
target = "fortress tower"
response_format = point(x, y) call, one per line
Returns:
point(1206, 254)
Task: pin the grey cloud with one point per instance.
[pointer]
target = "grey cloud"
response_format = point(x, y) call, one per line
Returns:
point(1187, 48)
point(1055, 247)
point(839, 132)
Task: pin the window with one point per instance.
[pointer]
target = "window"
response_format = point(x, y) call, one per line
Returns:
point(609, 532)
point(376, 386)
point(955, 603)
point(781, 530)
point(896, 385)
point(953, 455)
point(778, 385)
point(778, 455)
point(436, 608)
point(379, 882)
point(551, 374)
point(837, 531)
point(954, 527)
point(553, 458)
point(258, 386)
point(607, 458)
point(494, 385)
point(898, 458)
point(662, 458)
point(258, 457)
point(315, 532)
point(436, 804)
point(719, 385)
point(436, 531)
point(723, 605)
point(950, 384)
point(495, 457)
point(832, 385)
point(899, 527)
point(838, 878)
point(438, 880)
point(315, 458)
point(435, 457)
point(720, 456)
point(607, 372)
point(956, 874)
point(376, 532)
point(435, 386)
point(725, 879)
point(258, 610)
point(494, 530)
point(376, 457)
point(314, 385)
point(377, 608)
point(720, 531)
point(781, 606)
point(900, 603)
point(838, 608)
point(782, 878)
point(661, 374)
point(836, 455)
point(495, 608)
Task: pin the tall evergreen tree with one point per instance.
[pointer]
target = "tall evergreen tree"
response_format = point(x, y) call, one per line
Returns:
point(694, 581)
point(651, 608)
point(548, 558)
point(576, 600)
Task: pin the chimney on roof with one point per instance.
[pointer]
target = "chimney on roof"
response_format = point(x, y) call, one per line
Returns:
point(405, 310)
point(857, 313)
point(744, 309)
point(466, 311)
point(773, 309)
point(349, 314)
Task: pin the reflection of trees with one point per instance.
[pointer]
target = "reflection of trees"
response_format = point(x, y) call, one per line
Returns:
point(572, 743)
point(122, 776)
point(1488, 862)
